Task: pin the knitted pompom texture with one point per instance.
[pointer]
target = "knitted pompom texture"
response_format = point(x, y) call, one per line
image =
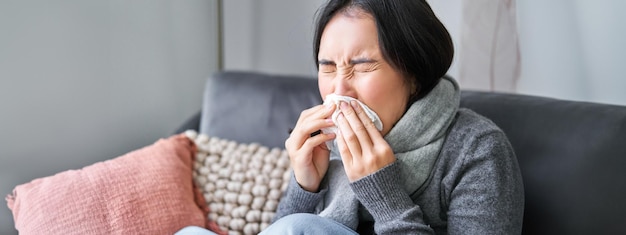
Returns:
point(241, 182)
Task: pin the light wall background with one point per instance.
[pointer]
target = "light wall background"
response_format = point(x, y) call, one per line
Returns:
point(271, 36)
point(570, 49)
point(573, 49)
point(83, 81)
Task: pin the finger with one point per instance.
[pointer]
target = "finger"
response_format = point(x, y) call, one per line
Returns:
point(369, 126)
point(310, 121)
point(321, 111)
point(308, 146)
point(316, 112)
point(344, 152)
point(305, 131)
point(356, 124)
point(318, 140)
point(352, 146)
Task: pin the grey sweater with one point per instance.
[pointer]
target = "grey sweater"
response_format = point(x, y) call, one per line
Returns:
point(475, 187)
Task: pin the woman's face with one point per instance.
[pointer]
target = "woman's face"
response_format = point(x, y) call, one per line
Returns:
point(351, 64)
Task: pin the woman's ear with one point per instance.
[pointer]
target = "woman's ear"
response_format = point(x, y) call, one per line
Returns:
point(414, 90)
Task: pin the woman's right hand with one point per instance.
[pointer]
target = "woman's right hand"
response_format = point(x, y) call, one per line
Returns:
point(308, 154)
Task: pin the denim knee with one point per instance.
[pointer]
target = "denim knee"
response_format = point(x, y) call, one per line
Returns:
point(194, 230)
point(305, 223)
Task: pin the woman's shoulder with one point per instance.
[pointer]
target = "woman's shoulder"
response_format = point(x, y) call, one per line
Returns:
point(471, 131)
point(474, 143)
point(469, 124)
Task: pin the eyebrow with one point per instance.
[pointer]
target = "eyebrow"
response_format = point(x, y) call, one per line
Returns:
point(325, 62)
point(362, 61)
point(353, 61)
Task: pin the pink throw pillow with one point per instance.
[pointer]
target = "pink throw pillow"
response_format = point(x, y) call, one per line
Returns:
point(147, 191)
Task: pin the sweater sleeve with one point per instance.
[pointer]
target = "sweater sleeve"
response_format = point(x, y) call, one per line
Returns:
point(482, 193)
point(486, 193)
point(297, 200)
point(392, 208)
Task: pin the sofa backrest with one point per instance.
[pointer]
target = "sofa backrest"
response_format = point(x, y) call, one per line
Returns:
point(572, 154)
point(254, 107)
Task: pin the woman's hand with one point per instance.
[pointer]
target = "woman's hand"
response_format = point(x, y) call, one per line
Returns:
point(362, 147)
point(308, 154)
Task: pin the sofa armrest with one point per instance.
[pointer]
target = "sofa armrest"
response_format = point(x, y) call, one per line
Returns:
point(192, 123)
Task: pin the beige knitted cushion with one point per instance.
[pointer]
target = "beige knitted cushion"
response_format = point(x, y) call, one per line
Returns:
point(242, 183)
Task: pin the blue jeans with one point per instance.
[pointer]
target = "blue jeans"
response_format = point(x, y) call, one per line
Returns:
point(305, 224)
point(194, 230)
point(294, 224)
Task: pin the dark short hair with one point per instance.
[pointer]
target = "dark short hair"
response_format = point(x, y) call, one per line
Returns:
point(411, 38)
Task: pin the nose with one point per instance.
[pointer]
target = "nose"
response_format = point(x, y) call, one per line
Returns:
point(343, 84)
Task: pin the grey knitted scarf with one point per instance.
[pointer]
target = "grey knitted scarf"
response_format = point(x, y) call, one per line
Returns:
point(416, 141)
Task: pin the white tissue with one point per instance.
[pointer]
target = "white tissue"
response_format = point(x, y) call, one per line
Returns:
point(335, 99)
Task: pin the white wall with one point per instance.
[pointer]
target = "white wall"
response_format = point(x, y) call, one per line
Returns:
point(271, 36)
point(569, 49)
point(573, 49)
point(87, 80)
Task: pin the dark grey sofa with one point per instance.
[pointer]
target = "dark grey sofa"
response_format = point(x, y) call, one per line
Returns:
point(572, 154)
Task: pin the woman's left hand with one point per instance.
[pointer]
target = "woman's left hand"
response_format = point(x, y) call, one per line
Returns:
point(362, 147)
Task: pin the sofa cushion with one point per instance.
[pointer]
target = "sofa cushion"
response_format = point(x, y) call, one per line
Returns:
point(242, 182)
point(147, 191)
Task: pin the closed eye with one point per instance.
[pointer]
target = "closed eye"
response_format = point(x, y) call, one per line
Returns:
point(327, 66)
point(364, 65)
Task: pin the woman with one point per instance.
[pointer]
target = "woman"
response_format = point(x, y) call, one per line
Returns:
point(432, 169)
